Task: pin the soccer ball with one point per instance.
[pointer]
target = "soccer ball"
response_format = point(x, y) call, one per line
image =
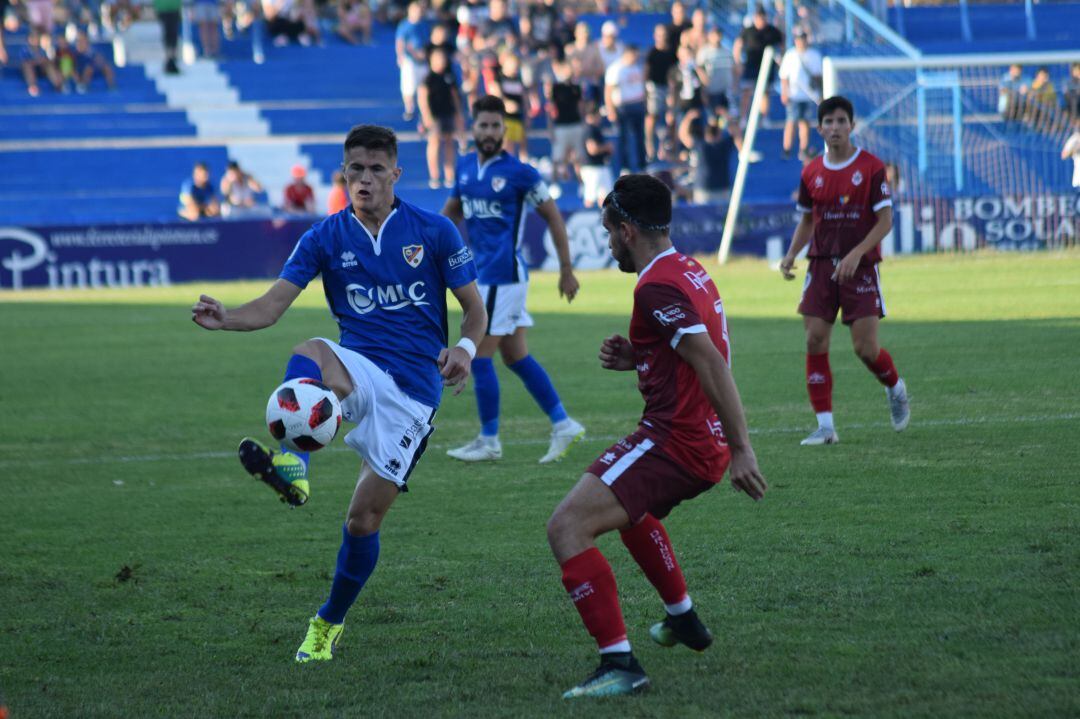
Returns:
point(303, 414)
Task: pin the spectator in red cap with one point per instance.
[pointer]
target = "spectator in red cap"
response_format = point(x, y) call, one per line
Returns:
point(299, 197)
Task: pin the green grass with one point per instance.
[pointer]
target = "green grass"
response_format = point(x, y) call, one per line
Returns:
point(930, 573)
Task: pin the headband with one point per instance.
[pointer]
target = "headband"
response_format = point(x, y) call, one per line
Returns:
point(633, 220)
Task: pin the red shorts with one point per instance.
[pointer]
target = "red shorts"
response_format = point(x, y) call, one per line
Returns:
point(644, 478)
point(859, 297)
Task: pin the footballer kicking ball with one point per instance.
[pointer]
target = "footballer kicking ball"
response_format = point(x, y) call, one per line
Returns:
point(303, 414)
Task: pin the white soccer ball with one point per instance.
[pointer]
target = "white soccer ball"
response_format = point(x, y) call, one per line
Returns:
point(303, 414)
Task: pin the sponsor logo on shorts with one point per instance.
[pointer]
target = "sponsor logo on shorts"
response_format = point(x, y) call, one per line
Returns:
point(715, 428)
point(582, 591)
point(856, 179)
point(413, 254)
point(393, 467)
point(608, 457)
point(348, 259)
point(669, 315)
point(643, 367)
point(459, 258)
point(411, 433)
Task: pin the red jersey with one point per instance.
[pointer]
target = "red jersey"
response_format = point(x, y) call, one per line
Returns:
point(844, 199)
point(674, 297)
point(297, 197)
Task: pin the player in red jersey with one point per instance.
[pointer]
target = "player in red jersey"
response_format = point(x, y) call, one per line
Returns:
point(691, 432)
point(846, 207)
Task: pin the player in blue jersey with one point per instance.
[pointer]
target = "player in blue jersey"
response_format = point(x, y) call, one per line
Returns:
point(385, 266)
point(492, 194)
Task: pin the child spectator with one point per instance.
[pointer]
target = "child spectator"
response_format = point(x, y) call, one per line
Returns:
point(34, 60)
point(88, 62)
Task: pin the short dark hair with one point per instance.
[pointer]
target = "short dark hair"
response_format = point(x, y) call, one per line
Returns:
point(831, 104)
point(642, 200)
point(489, 103)
point(372, 137)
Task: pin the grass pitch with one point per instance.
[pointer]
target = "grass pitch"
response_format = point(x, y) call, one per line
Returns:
point(929, 573)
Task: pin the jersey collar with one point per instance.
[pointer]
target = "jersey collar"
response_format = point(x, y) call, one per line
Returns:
point(842, 165)
point(376, 241)
point(665, 253)
point(491, 161)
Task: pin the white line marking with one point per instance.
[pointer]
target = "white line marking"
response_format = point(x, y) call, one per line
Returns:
point(134, 459)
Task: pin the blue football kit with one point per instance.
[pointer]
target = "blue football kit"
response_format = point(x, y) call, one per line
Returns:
point(388, 293)
point(495, 198)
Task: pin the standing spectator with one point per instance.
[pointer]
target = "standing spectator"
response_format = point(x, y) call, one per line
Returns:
point(595, 168)
point(505, 81)
point(800, 91)
point(207, 15)
point(1042, 100)
point(685, 86)
point(499, 29)
point(1072, 92)
point(584, 57)
point(711, 147)
point(3, 48)
point(748, 51)
point(198, 199)
point(440, 40)
point(338, 199)
point(624, 98)
point(354, 16)
point(1011, 90)
point(678, 25)
point(718, 67)
point(611, 50)
point(33, 60)
point(1072, 149)
point(89, 62)
point(658, 64)
point(545, 19)
point(698, 35)
point(411, 39)
point(565, 102)
point(238, 191)
point(442, 116)
point(168, 15)
point(299, 197)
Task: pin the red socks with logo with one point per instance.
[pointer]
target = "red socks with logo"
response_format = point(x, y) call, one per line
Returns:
point(819, 382)
point(650, 547)
point(884, 369)
point(591, 584)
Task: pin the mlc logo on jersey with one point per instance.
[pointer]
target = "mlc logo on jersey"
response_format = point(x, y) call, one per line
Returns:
point(414, 254)
point(348, 259)
point(498, 183)
point(386, 297)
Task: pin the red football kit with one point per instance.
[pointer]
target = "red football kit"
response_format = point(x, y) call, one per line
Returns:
point(679, 449)
point(844, 199)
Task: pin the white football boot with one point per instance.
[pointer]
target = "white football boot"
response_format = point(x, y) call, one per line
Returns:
point(481, 449)
point(898, 405)
point(821, 435)
point(568, 432)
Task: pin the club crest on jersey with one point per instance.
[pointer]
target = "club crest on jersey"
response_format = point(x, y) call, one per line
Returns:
point(414, 254)
point(498, 183)
point(856, 179)
point(819, 182)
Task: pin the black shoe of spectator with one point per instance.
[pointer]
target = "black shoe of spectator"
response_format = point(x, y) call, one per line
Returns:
point(171, 68)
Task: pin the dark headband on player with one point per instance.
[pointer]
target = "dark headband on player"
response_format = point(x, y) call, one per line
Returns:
point(614, 202)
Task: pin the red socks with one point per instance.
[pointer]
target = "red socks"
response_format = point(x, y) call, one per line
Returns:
point(819, 382)
point(591, 584)
point(650, 547)
point(884, 369)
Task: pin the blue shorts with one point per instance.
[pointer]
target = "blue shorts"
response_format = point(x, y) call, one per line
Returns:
point(802, 110)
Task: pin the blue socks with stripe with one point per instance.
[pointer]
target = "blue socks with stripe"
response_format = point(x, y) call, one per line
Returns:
point(355, 562)
point(301, 366)
point(486, 386)
point(539, 385)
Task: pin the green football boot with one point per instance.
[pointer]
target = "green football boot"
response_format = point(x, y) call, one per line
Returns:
point(617, 675)
point(284, 473)
point(320, 642)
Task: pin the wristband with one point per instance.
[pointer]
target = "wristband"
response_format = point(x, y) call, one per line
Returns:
point(469, 346)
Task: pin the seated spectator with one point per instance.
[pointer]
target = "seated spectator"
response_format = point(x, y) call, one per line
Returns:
point(285, 22)
point(34, 60)
point(1072, 149)
point(595, 167)
point(63, 58)
point(299, 197)
point(1072, 91)
point(338, 199)
point(354, 17)
point(89, 62)
point(198, 199)
point(206, 14)
point(239, 191)
point(442, 117)
point(564, 102)
point(1011, 90)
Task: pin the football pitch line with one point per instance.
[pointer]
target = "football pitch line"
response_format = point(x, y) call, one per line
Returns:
point(135, 459)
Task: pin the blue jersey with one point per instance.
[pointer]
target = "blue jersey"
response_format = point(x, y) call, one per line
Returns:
point(388, 293)
point(495, 198)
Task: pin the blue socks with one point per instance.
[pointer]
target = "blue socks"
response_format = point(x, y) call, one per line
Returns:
point(300, 366)
point(355, 562)
point(486, 386)
point(539, 385)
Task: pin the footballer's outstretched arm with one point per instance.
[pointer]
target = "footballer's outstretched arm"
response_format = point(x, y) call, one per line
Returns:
point(455, 362)
point(718, 384)
point(261, 312)
point(568, 284)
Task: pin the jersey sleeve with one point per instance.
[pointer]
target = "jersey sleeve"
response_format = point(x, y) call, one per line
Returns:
point(456, 264)
point(880, 192)
point(536, 190)
point(805, 203)
point(306, 261)
point(668, 311)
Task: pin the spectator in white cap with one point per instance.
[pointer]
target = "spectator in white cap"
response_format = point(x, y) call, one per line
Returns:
point(611, 49)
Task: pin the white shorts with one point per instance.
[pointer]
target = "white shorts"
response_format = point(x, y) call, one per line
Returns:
point(568, 137)
point(412, 74)
point(392, 428)
point(596, 183)
point(505, 307)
